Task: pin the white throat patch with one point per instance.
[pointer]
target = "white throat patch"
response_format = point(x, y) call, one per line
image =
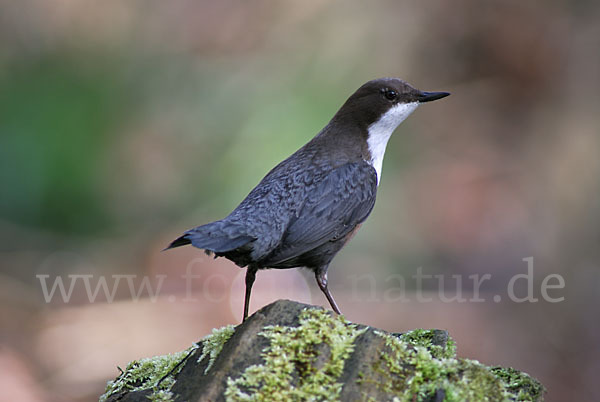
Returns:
point(381, 131)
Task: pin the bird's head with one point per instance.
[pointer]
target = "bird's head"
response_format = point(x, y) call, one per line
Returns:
point(389, 100)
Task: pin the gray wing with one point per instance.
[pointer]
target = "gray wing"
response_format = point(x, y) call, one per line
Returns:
point(342, 200)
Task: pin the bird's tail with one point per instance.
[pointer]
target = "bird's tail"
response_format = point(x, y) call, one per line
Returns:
point(217, 237)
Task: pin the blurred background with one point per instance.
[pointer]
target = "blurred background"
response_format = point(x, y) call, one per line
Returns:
point(123, 124)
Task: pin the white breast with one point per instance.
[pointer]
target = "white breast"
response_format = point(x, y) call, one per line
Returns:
point(381, 131)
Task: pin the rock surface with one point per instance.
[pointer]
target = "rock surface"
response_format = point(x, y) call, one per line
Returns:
point(292, 351)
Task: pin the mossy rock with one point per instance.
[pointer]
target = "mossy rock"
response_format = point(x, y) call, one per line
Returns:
point(292, 351)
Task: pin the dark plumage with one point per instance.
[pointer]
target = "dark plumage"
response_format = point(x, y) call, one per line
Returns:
point(307, 207)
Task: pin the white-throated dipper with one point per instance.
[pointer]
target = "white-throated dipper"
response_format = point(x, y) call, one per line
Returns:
point(308, 206)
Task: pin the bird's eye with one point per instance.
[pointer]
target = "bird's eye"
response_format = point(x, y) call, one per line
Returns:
point(390, 94)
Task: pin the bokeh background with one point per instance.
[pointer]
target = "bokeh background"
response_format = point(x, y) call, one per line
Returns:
point(124, 123)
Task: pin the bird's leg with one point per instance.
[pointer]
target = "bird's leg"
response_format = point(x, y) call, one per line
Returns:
point(321, 276)
point(250, 276)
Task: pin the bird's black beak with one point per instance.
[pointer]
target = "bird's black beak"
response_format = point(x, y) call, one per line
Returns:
point(430, 96)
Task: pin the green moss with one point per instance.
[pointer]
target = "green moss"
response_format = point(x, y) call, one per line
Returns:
point(146, 374)
point(161, 395)
point(412, 367)
point(432, 340)
point(213, 344)
point(306, 362)
point(300, 363)
point(520, 385)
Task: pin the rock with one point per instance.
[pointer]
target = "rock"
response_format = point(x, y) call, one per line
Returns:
point(293, 351)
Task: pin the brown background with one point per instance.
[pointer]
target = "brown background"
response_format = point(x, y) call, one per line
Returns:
point(124, 123)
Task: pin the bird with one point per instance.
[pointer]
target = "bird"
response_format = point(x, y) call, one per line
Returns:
point(310, 205)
